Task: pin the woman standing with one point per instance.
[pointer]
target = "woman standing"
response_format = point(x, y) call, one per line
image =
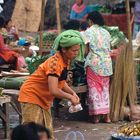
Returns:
point(49, 81)
point(98, 67)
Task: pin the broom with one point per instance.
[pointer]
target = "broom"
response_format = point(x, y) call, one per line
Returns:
point(124, 81)
point(117, 87)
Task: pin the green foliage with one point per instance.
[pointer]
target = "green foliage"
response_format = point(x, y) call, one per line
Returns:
point(48, 37)
point(104, 9)
point(35, 62)
point(117, 36)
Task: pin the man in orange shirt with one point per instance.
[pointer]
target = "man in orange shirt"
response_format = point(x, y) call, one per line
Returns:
point(48, 81)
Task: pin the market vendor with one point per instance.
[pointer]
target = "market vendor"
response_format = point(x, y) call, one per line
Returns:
point(49, 81)
point(9, 56)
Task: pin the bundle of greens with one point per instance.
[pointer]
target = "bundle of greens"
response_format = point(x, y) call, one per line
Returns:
point(117, 36)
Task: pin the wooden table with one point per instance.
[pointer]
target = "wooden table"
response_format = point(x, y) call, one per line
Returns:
point(14, 100)
point(15, 93)
point(4, 113)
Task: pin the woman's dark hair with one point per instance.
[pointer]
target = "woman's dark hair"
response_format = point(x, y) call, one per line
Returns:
point(24, 132)
point(2, 21)
point(96, 18)
point(84, 26)
point(39, 128)
point(72, 24)
point(6, 22)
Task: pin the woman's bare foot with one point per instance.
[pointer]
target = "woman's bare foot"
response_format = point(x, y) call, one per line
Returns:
point(95, 119)
point(107, 118)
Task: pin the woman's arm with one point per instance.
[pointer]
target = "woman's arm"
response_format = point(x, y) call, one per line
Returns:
point(54, 90)
point(66, 88)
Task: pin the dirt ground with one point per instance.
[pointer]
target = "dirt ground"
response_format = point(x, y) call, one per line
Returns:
point(73, 122)
point(80, 122)
point(90, 131)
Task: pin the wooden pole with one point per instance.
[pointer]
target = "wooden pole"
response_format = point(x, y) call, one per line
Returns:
point(41, 27)
point(133, 95)
point(123, 86)
point(128, 23)
point(57, 2)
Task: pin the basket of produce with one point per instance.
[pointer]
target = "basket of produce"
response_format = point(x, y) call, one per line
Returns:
point(129, 131)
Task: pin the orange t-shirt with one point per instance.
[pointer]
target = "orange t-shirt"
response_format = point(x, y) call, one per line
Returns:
point(35, 89)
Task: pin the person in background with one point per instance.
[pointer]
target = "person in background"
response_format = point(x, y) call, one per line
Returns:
point(79, 11)
point(76, 25)
point(136, 18)
point(72, 24)
point(98, 68)
point(83, 26)
point(10, 56)
point(11, 29)
point(49, 81)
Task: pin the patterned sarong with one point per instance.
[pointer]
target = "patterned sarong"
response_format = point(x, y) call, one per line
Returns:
point(98, 97)
point(34, 113)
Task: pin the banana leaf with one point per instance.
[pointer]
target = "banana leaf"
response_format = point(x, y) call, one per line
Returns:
point(11, 83)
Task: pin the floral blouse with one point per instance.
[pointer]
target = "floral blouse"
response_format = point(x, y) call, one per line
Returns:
point(98, 58)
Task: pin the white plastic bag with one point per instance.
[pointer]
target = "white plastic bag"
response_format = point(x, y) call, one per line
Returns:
point(75, 108)
point(72, 135)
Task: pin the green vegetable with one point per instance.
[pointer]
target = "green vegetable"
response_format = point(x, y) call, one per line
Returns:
point(48, 38)
point(36, 61)
point(117, 36)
